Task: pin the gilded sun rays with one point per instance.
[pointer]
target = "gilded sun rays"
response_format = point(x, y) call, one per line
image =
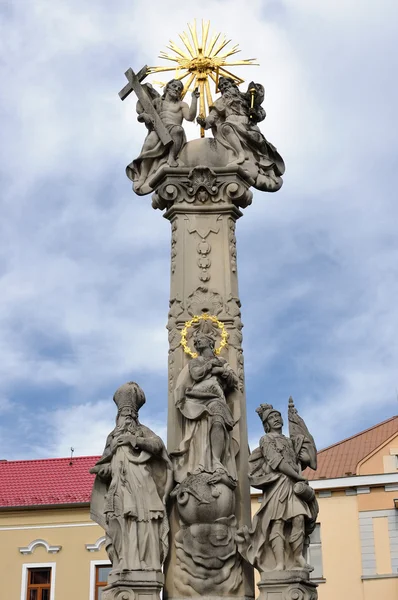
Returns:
point(199, 63)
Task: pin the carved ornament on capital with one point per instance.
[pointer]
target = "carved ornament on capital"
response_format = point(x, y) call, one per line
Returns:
point(202, 186)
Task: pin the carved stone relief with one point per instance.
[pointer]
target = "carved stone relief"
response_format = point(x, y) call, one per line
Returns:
point(241, 370)
point(203, 300)
point(203, 248)
point(174, 226)
point(176, 309)
point(203, 232)
point(235, 341)
point(235, 334)
point(232, 244)
point(202, 185)
point(232, 306)
point(204, 262)
point(280, 590)
point(207, 561)
point(297, 593)
point(238, 194)
point(171, 361)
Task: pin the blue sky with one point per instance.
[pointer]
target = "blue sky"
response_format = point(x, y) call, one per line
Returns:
point(84, 264)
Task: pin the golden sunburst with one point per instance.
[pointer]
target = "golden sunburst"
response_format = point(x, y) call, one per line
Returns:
point(201, 63)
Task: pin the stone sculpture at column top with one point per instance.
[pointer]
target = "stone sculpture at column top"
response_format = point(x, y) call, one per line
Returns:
point(133, 480)
point(154, 154)
point(233, 119)
point(287, 515)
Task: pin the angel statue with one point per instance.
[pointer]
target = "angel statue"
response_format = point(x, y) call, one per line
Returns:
point(133, 480)
point(287, 515)
point(154, 154)
point(233, 120)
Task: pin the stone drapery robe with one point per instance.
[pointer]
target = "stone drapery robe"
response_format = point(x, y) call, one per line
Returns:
point(262, 160)
point(280, 501)
point(200, 397)
point(128, 502)
point(154, 153)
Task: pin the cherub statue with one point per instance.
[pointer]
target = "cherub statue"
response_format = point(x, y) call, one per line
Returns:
point(289, 509)
point(172, 111)
point(133, 480)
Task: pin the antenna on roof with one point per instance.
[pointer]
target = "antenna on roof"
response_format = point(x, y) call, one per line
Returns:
point(71, 455)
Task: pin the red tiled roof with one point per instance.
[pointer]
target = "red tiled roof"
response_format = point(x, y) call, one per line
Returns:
point(341, 459)
point(55, 481)
point(49, 481)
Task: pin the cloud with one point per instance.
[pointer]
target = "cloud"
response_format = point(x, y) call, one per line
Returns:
point(5, 405)
point(84, 264)
point(85, 427)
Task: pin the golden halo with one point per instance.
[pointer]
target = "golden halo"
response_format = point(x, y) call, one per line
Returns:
point(196, 319)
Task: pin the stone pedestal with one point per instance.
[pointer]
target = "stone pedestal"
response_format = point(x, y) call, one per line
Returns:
point(287, 585)
point(134, 585)
point(203, 204)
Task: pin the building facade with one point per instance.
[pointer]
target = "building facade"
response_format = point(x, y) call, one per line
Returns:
point(354, 547)
point(49, 547)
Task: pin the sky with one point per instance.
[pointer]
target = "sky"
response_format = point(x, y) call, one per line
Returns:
point(84, 263)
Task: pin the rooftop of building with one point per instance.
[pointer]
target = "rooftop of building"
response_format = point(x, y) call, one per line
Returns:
point(66, 481)
point(342, 459)
point(46, 482)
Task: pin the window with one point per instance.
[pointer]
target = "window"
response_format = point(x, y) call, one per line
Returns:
point(101, 579)
point(39, 583)
point(314, 553)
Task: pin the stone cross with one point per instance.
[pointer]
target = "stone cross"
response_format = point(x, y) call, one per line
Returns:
point(134, 84)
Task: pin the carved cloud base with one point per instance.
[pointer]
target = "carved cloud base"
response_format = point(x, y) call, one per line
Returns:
point(134, 585)
point(207, 561)
point(291, 588)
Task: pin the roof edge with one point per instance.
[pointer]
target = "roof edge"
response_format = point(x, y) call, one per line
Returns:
point(368, 456)
point(5, 461)
point(44, 506)
point(352, 481)
point(351, 437)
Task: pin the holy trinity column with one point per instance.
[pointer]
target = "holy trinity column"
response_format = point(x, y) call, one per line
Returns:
point(201, 186)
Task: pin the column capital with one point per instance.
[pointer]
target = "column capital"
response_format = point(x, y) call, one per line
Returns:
point(209, 189)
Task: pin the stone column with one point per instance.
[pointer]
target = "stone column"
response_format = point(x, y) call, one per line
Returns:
point(203, 205)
